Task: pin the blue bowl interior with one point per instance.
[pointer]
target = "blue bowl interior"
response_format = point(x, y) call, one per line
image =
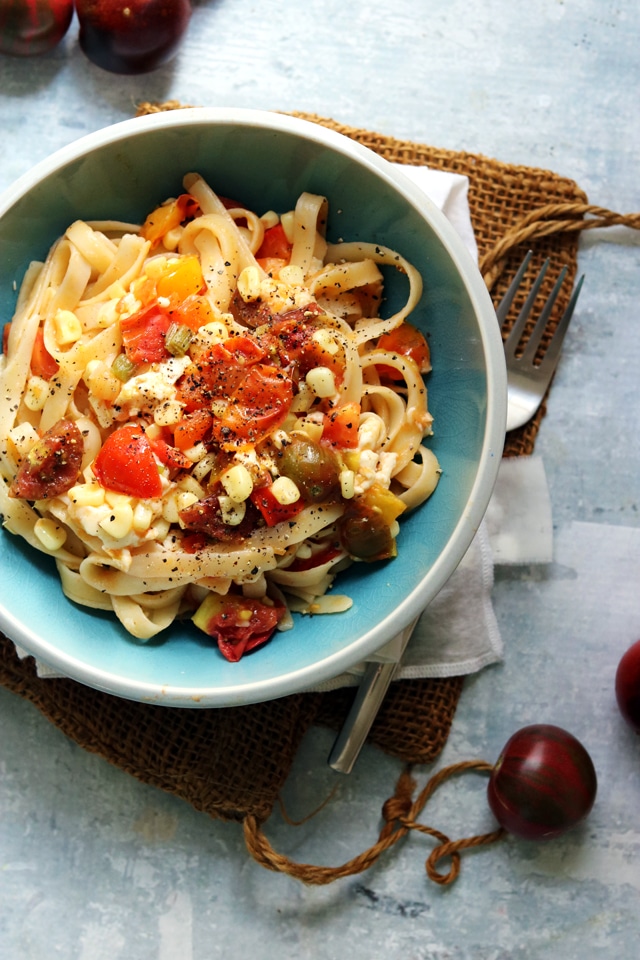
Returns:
point(264, 168)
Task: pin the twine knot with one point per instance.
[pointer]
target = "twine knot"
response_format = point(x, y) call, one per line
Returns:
point(400, 813)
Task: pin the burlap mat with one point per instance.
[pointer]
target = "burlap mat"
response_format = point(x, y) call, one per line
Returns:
point(232, 763)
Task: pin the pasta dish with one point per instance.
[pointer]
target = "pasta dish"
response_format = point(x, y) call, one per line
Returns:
point(207, 415)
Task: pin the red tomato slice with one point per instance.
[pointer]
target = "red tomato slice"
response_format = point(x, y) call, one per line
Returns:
point(275, 245)
point(126, 464)
point(172, 458)
point(258, 405)
point(408, 342)
point(219, 372)
point(143, 335)
point(341, 426)
point(272, 511)
point(52, 465)
point(205, 517)
point(239, 624)
point(298, 349)
point(42, 363)
point(192, 429)
point(6, 330)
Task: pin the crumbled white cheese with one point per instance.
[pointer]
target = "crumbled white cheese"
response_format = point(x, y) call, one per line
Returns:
point(154, 386)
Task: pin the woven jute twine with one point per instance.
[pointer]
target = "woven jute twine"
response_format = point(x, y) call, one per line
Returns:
point(232, 763)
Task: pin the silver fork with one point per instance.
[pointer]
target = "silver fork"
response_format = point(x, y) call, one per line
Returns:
point(528, 380)
point(527, 385)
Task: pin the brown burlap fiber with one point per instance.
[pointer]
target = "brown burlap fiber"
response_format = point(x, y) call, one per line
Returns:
point(232, 763)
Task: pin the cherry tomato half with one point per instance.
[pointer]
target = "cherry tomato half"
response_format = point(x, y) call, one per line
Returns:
point(126, 464)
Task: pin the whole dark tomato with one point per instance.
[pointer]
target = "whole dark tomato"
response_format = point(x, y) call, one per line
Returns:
point(543, 783)
point(131, 36)
point(627, 686)
point(31, 27)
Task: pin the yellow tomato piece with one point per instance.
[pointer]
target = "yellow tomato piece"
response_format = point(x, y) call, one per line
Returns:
point(181, 278)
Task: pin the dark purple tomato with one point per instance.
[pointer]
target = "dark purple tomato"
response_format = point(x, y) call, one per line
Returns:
point(543, 783)
point(628, 686)
point(131, 36)
point(31, 27)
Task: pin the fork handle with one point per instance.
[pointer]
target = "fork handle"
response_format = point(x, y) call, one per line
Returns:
point(371, 693)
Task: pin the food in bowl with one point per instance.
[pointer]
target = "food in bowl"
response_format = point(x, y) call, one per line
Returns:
point(267, 160)
point(208, 416)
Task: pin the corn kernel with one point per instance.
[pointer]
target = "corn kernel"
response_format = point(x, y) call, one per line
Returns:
point(310, 428)
point(292, 274)
point(67, 327)
point(348, 484)
point(184, 499)
point(231, 511)
point(270, 219)
point(321, 381)
point(172, 238)
point(101, 381)
point(191, 485)
point(326, 340)
point(22, 438)
point(119, 522)
point(237, 482)
point(142, 517)
point(115, 499)
point(285, 491)
point(196, 453)
point(50, 534)
point(170, 508)
point(288, 224)
point(86, 495)
point(36, 393)
point(107, 314)
point(168, 413)
point(249, 284)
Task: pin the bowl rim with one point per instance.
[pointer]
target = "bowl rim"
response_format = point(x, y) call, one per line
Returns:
point(494, 435)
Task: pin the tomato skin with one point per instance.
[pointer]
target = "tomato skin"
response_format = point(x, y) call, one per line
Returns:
point(172, 458)
point(312, 467)
point(275, 245)
point(627, 686)
point(272, 511)
point(132, 37)
point(365, 527)
point(42, 363)
point(29, 28)
point(126, 464)
point(192, 429)
point(167, 217)
point(340, 428)
point(258, 405)
point(543, 783)
point(205, 517)
point(407, 341)
point(218, 372)
point(239, 624)
point(52, 465)
point(143, 335)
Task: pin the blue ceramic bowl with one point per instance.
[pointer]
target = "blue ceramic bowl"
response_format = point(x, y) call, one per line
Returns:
point(268, 160)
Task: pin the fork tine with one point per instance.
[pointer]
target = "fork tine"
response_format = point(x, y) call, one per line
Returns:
point(531, 348)
point(515, 334)
point(502, 310)
point(550, 359)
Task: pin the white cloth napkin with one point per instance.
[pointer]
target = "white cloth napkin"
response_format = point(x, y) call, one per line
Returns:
point(458, 633)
